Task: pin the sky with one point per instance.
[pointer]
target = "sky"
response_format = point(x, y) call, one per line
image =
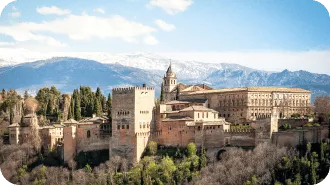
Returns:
point(263, 34)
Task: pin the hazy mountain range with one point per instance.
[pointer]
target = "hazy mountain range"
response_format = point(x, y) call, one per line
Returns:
point(108, 71)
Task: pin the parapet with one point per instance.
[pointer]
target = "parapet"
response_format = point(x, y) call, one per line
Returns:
point(238, 130)
point(131, 89)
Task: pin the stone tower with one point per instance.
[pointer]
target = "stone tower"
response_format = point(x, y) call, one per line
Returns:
point(132, 117)
point(169, 83)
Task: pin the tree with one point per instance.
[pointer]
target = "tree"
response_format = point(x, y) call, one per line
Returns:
point(203, 158)
point(152, 148)
point(109, 108)
point(26, 95)
point(10, 102)
point(322, 107)
point(97, 107)
point(162, 93)
point(77, 109)
point(191, 148)
point(30, 105)
point(71, 109)
point(177, 93)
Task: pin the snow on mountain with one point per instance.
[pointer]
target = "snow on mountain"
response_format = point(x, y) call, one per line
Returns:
point(112, 70)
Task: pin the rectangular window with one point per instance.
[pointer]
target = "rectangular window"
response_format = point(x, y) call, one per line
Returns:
point(118, 127)
point(127, 126)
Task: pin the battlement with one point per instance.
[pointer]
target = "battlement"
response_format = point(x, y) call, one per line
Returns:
point(131, 89)
point(238, 130)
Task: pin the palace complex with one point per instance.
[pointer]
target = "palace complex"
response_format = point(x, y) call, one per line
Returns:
point(210, 118)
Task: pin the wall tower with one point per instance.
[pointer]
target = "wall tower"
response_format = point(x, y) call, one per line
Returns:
point(132, 118)
point(169, 84)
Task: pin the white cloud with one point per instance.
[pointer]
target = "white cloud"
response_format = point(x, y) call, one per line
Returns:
point(14, 8)
point(171, 6)
point(52, 10)
point(99, 10)
point(3, 3)
point(92, 27)
point(150, 40)
point(164, 26)
point(14, 14)
point(313, 61)
point(7, 44)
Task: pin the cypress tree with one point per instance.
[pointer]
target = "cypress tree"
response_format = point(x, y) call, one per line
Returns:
point(77, 108)
point(177, 93)
point(26, 95)
point(71, 109)
point(109, 108)
point(97, 107)
point(162, 94)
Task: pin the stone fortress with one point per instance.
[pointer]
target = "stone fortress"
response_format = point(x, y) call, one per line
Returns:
point(210, 118)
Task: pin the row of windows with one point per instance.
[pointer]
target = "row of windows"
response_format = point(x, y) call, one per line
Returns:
point(206, 115)
point(124, 113)
point(122, 127)
point(144, 112)
point(170, 82)
point(144, 126)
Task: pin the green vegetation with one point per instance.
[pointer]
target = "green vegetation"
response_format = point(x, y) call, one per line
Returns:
point(312, 125)
point(295, 116)
point(285, 126)
point(152, 148)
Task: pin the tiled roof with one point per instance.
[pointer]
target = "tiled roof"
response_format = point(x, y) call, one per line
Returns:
point(251, 89)
point(197, 108)
point(70, 121)
point(173, 118)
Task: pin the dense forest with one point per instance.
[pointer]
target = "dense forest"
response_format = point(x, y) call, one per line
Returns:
point(53, 106)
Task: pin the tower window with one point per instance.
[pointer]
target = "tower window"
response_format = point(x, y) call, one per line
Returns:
point(88, 134)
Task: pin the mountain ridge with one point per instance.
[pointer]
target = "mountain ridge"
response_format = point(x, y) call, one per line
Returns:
point(70, 72)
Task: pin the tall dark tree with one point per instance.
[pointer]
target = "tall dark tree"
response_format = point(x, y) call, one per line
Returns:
point(43, 99)
point(77, 108)
point(162, 93)
point(10, 102)
point(177, 93)
point(71, 109)
point(3, 93)
point(97, 107)
point(26, 95)
point(109, 108)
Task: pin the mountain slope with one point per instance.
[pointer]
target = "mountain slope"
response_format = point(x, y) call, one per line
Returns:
point(68, 73)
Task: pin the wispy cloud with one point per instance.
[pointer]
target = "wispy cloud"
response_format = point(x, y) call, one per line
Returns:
point(93, 27)
point(164, 26)
point(52, 10)
point(150, 40)
point(14, 14)
point(171, 6)
point(99, 10)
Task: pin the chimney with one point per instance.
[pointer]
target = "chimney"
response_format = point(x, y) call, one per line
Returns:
point(144, 85)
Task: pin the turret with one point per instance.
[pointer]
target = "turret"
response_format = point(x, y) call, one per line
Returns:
point(169, 83)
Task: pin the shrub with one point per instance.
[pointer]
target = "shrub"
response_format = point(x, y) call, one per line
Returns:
point(152, 148)
point(191, 148)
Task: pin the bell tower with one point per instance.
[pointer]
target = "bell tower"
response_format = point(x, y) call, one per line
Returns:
point(169, 84)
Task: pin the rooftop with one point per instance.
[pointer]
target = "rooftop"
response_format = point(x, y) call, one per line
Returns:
point(197, 108)
point(252, 89)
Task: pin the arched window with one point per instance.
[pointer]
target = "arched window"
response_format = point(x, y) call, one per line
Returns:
point(88, 134)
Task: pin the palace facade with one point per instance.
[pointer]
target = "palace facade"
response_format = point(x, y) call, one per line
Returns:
point(239, 105)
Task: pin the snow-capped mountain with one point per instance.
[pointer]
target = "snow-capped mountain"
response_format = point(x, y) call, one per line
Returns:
point(109, 70)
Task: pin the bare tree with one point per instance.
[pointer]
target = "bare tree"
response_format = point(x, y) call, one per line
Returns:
point(30, 105)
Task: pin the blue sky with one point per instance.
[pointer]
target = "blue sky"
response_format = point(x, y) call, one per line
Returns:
point(175, 28)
